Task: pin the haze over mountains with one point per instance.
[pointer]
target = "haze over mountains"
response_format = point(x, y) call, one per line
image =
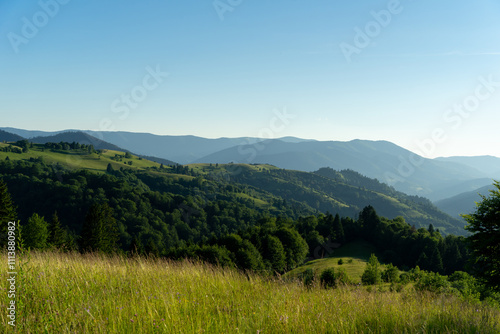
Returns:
point(436, 179)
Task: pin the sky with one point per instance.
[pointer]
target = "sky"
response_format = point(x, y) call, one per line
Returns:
point(422, 74)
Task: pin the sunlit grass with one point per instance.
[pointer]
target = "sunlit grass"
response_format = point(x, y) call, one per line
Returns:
point(71, 293)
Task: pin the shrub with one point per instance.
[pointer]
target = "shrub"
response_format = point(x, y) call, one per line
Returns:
point(391, 274)
point(340, 262)
point(327, 278)
point(433, 282)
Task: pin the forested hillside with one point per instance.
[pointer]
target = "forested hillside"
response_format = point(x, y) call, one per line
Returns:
point(233, 214)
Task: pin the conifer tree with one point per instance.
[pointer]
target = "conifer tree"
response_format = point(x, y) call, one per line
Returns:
point(436, 261)
point(338, 229)
point(57, 235)
point(99, 231)
point(110, 168)
point(36, 232)
point(7, 212)
point(484, 243)
point(423, 261)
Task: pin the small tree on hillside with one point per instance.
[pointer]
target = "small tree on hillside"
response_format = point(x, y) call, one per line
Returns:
point(327, 278)
point(36, 232)
point(371, 275)
point(391, 274)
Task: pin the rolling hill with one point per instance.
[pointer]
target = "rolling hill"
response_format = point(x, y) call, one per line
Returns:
point(345, 192)
point(463, 203)
point(376, 159)
point(7, 136)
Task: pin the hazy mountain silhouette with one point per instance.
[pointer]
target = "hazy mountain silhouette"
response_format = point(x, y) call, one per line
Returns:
point(463, 203)
point(382, 160)
point(7, 136)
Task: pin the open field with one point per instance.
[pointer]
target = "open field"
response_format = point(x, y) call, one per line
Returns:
point(73, 293)
point(354, 255)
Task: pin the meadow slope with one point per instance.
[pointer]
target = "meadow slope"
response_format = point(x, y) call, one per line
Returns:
point(73, 293)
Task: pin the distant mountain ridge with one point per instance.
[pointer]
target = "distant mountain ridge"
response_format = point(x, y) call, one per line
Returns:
point(463, 203)
point(486, 163)
point(435, 179)
point(77, 137)
point(376, 159)
point(7, 136)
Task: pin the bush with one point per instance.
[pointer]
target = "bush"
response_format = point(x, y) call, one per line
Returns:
point(391, 274)
point(433, 282)
point(405, 278)
point(466, 284)
point(341, 262)
point(327, 278)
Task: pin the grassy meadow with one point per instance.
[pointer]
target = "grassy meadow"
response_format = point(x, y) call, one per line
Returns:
point(73, 293)
point(354, 255)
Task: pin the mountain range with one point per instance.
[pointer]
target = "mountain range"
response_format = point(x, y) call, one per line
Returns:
point(436, 179)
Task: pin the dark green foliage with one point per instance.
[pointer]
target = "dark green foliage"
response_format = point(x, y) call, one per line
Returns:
point(36, 232)
point(436, 261)
point(466, 284)
point(423, 261)
point(136, 247)
point(485, 242)
point(7, 212)
point(340, 262)
point(57, 235)
point(433, 282)
point(99, 232)
point(327, 278)
point(295, 246)
point(273, 253)
point(338, 230)
point(151, 248)
point(110, 168)
point(390, 274)
point(372, 274)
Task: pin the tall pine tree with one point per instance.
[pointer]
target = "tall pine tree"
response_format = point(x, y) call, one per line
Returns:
point(99, 231)
point(57, 235)
point(7, 213)
point(338, 229)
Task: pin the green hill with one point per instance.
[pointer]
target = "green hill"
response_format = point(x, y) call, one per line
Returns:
point(354, 256)
point(78, 158)
point(344, 192)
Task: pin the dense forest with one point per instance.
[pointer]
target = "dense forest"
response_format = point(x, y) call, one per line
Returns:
point(232, 215)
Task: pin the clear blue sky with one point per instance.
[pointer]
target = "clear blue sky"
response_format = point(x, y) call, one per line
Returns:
point(229, 71)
